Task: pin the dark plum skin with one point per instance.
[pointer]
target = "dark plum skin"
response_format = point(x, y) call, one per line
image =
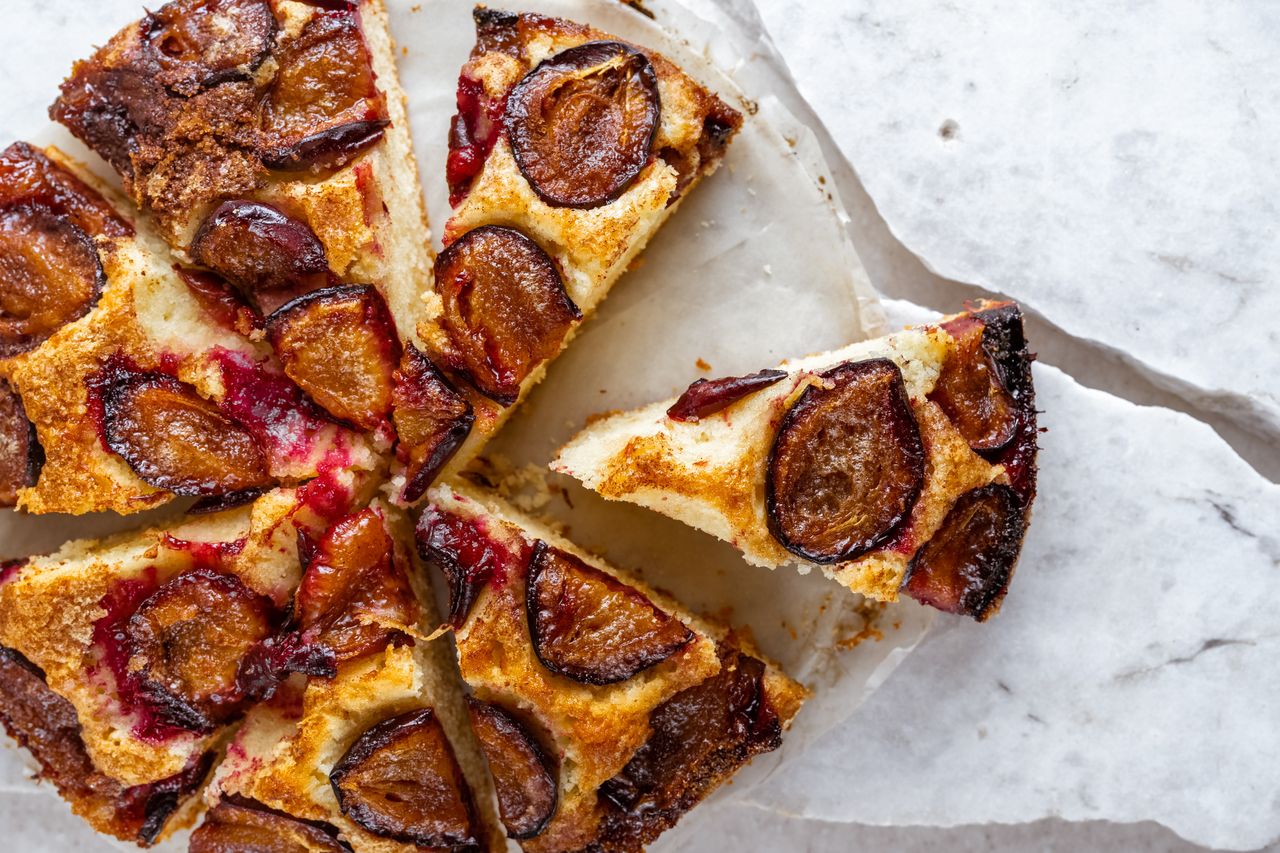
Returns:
point(257, 247)
point(186, 643)
point(468, 558)
point(966, 566)
point(522, 774)
point(582, 123)
point(323, 108)
point(21, 456)
point(708, 396)
point(505, 308)
point(588, 626)
point(339, 345)
point(50, 274)
point(244, 826)
point(431, 418)
point(847, 464)
point(175, 439)
point(201, 43)
point(400, 780)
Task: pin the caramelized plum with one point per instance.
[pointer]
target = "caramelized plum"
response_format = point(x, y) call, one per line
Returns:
point(28, 176)
point(200, 43)
point(221, 301)
point(175, 439)
point(256, 247)
point(505, 307)
point(700, 736)
point(472, 133)
point(469, 558)
point(186, 642)
point(400, 780)
point(708, 396)
point(432, 420)
point(339, 344)
point(21, 456)
point(847, 464)
point(270, 662)
point(522, 775)
point(971, 391)
point(965, 568)
point(49, 275)
point(249, 827)
point(353, 587)
point(323, 108)
point(582, 123)
point(591, 627)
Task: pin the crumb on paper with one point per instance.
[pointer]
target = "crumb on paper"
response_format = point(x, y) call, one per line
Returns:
point(636, 263)
point(702, 364)
point(416, 7)
point(867, 613)
point(768, 269)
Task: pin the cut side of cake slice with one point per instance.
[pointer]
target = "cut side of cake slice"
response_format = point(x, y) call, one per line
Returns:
point(124, 383)
point(376, 755)
point(127, 658)
point(569, 150)
point(268, 141)
point(901, 464)
point(604, 709)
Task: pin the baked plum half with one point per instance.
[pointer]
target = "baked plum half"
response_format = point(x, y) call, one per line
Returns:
point(707, 396)
point(257, 247)
point(522, 775)
point(431, 418)
point(582, 123)
point(847, 464)
point(21, 456)
point(324, 107)
point(966, 567)
point(591, 627)
point(339, 344)
point(971, 391)
point(505, 308)
point(201, 43)
point(50, 274)
point(186, 642)
point(354, 588)
point(249, 827)
point(221, 301)
point(461, 550)
point(400, 780)
point(697, 736)
point(175, 439)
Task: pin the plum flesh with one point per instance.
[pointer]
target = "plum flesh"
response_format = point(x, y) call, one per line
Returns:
point(847, 464)
point(582, 123)
point(522, 774)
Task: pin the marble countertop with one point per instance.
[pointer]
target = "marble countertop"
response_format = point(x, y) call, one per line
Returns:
point(1115, 170)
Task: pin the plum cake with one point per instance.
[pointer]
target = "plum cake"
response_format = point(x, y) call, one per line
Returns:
point(126, 659)
point(902, 464)
point(605, 711)
point(268, 141)
point(376, 754)
point(569, 150)
point(116, 392)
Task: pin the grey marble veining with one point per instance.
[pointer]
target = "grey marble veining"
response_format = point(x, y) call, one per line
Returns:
point(1111, 164)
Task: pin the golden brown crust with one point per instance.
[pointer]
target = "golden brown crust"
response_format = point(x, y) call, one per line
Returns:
point(592, 731)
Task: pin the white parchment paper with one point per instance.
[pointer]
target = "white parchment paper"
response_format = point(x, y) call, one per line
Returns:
point(756, 266)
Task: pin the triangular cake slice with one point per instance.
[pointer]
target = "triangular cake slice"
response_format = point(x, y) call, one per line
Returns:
point(118, 389)
point(906, 463)
point(569, 150)
point(605, 710)
point(268, 141)
point(139, 649)
point(375, 756)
